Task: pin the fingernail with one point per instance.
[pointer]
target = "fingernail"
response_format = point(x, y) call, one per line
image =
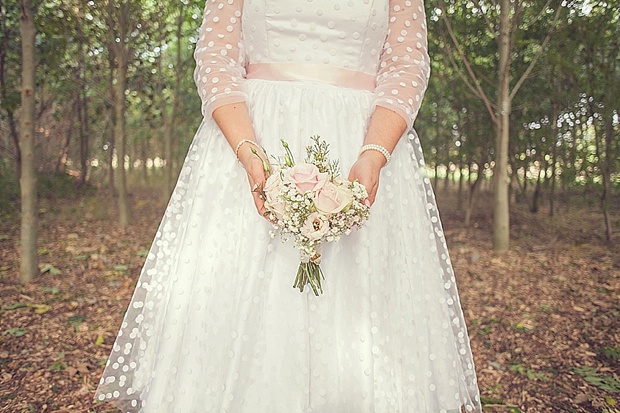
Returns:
point(367, 202)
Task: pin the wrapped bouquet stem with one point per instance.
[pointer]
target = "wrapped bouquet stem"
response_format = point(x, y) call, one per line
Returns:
point(311, 203)
point(309, 273)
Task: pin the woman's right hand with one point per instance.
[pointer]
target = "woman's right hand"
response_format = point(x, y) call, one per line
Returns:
point(253, 164)
point(234, 121)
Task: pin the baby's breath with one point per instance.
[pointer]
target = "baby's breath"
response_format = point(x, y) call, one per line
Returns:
point(298, 207)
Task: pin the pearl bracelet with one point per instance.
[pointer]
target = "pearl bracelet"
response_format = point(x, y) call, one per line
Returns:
point(240, 144)
point(381, 149)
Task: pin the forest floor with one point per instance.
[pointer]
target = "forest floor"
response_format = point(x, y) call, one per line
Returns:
point(544, 318)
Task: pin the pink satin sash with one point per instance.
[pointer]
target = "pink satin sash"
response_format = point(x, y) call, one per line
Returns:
point(308, 71)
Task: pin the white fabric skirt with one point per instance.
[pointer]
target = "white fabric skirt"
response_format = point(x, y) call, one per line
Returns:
point(216, 326)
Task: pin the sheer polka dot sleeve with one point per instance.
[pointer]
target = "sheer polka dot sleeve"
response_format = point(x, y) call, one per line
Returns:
point(219, 55)
point(405, 65)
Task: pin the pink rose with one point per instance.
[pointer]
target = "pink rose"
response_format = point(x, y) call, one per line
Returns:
point(315, 227)
point(306, 177)
point(273, 201)
point(332, 198)
point(272, 186)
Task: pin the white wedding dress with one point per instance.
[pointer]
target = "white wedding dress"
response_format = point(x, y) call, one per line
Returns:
point(214, 324)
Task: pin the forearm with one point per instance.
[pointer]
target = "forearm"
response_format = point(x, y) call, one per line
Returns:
point(236, 125)
point(385, 129)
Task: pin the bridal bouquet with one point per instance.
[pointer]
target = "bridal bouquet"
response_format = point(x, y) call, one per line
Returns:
point(310, 202)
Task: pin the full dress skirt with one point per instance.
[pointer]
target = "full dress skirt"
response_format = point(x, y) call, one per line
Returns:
point(216, 326)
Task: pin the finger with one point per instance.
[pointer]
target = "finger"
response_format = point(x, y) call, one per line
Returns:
point(255, 191)
point(259, 200)
point(260, 206)
point(264, 212)
point(352, 175)
point(256, 195)
point(372, 193)
point(368, 184)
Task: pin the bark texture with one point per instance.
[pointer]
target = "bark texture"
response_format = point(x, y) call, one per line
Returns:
point(28, 179)
point(501, 214)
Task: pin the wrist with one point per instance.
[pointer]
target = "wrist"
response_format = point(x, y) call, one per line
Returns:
point(244, 143)
point(249, 153)
point(374, 158)
point(375, 151)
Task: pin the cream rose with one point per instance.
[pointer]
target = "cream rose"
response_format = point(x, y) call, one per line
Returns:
point(276, 207)
point(332, 198)
point(306, 177)
point(315, 227)
point(272, 188)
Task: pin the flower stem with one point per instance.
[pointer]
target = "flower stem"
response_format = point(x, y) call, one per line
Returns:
point(309, 273)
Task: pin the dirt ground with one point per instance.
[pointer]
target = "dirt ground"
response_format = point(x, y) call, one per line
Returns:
point(543, 318)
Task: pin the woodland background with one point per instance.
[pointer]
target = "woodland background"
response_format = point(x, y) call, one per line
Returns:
point(521, 131)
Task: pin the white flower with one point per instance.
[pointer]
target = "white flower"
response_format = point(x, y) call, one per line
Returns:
point(315, 227)
point(332, 198)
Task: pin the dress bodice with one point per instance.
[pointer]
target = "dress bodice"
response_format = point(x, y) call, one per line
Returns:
point(385, 39)
point(346, 34)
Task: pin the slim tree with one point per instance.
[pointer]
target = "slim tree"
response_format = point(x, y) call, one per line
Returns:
point(501, 181)
point(170, 120)
point(503, 27)
point(120, 24)
point(28, 179)
point(9, 95)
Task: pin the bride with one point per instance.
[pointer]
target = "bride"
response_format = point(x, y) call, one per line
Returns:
point(214, 324)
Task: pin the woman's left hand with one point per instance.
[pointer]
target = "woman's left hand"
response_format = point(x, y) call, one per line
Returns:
point(366, 170)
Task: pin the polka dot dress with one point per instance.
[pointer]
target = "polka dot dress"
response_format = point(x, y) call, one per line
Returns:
point(214, 324)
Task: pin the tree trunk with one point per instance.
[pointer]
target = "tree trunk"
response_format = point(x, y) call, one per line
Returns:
point(121, 141)
point(169, 133)
point(64, 152)
point(472, 198)
point(525, 181)
point(83, 113)
point(514, 182)
point(437, 144)
point(6, 37)
point(144, 155)
point(15, 136)
point(449, 177)
point(554, 156)
point(111, 126)
point(606, 171)
point(501, 213)
point(168, 168)
point(28, 180)
point(111, 174)
point(461, 182)
point(83, 119)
